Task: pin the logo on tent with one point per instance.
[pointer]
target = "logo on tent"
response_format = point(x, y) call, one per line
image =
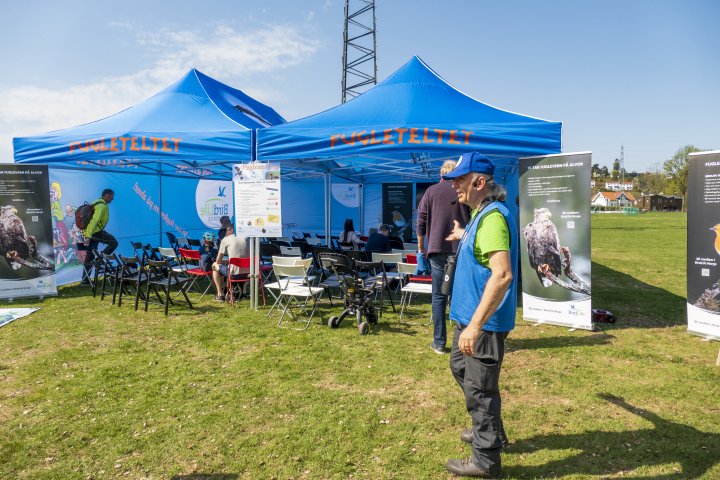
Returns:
point(211, 202)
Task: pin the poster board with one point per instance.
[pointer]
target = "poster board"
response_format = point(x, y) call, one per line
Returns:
point(703, 241)
point(555, 239)
point(27, 266)
point(258, 205)
point(397, 208)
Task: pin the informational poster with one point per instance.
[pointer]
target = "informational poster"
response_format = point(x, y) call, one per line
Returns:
point(258, 208)
point(397, 207)
point(555, 239)
point(703, 241)
point(27, 266)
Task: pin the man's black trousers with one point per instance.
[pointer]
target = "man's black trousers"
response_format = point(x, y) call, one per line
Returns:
point(103, 237)
point(478, 376)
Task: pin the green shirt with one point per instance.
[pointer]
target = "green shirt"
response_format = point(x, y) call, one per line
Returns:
point(492, 236)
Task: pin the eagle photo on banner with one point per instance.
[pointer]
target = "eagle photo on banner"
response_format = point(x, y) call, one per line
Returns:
point(547, 257)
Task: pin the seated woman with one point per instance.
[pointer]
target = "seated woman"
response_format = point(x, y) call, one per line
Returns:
point(349, 238)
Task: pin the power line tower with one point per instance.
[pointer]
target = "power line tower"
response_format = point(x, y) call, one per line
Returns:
point(359, 46)
point(622, 163)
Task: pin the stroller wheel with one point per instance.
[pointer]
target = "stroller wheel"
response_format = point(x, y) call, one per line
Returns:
point(333, 322)
point(364, 328)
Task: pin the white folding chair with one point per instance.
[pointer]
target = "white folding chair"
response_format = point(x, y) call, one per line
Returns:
point(410, 288)
point(170, 255)
point(274, 287)
point(390, 260)
point(296, 293)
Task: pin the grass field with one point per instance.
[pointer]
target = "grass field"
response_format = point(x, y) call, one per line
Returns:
point(90, 390)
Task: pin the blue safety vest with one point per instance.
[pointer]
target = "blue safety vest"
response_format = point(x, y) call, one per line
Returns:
point(471, 277)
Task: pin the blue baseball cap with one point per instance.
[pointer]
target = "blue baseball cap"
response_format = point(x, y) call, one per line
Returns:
point(471, 162)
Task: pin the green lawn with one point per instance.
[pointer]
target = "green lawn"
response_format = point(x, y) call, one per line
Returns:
point(90, 390)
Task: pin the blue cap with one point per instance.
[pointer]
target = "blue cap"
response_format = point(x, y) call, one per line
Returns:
point(471, 162)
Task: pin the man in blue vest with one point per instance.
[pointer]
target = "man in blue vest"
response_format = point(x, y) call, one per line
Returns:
point(484, 300)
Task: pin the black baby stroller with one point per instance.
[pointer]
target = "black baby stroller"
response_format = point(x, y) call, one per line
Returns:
point(358, 295)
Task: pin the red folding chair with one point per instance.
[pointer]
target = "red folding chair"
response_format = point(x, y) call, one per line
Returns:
point(192, 259)
point(241, 278)
point(412, 258)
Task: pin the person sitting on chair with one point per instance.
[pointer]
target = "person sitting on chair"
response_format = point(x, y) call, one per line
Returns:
point(349, 238)
point(378, 242)
point(208, 252)
point(233, 247)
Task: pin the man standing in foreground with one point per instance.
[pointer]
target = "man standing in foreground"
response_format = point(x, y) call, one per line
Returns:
point(437, 212)
point(483, 306)
point(95, 233)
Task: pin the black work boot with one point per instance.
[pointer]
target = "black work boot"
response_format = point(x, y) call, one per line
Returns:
point(466, 468)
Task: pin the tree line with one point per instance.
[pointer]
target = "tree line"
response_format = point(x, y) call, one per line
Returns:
point(669, 177)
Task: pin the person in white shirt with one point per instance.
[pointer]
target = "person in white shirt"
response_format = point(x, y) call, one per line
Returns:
point(233, 247)
point(349, 238)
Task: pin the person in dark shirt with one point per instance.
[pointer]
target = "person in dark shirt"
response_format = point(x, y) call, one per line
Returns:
point(378, 242)
point(438, 211)
point(224, 222)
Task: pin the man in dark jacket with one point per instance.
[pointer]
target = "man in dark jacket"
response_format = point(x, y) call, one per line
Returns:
point(437, 212)
point(379, 242)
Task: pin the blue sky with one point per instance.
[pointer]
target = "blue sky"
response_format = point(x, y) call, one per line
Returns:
point(640, 73)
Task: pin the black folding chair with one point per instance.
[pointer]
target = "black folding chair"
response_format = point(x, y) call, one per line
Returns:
point(132, 274)
point(162, 278)
point(111, 272)
point(328, 278)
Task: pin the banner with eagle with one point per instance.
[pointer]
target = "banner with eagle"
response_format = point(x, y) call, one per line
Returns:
point(703, 242)
point(27, 267)
point(555, 239)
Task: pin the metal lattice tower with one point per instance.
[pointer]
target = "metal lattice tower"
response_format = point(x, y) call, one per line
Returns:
point(359, 45)
point(622, 163)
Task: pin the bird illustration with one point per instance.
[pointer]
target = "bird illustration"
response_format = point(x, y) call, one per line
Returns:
point(16, 245)
point(716, 229)
point(543, 246)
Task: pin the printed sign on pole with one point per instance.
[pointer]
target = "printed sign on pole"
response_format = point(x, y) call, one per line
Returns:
point(555, 239)
point(703, 241)
point(258, 208)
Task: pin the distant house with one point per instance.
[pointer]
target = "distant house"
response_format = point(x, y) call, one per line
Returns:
point(612, 199)
point(619, 186)
point(592, 183)
point(659, 203)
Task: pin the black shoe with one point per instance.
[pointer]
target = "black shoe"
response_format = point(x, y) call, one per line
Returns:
point(466, 468)
point(436, 349)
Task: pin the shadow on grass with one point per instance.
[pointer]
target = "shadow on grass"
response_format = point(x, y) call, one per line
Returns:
point(636, 304)
point(514, 344)
point(206, 476)
point(618, 453)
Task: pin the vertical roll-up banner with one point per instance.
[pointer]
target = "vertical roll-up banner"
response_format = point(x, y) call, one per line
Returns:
point(27, 266)
point(555, 239)
point(703, 241)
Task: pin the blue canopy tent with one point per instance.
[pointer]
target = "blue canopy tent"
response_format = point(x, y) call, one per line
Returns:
point(158, 155)
point(197, 122)
point(403, 129)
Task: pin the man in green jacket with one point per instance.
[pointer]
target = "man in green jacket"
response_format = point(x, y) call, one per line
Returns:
point(95, 233)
